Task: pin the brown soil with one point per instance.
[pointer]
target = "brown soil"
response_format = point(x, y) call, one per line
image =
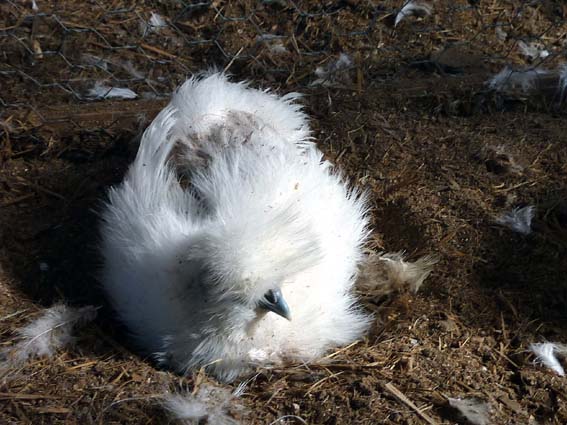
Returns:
point(440, 154)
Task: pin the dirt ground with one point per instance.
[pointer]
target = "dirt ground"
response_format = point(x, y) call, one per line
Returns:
point(411, 121)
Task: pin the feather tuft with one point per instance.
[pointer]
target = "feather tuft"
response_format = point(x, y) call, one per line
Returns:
point(519, 219)
point(545, 354)
point(49, 333)
point(209, 403)
point(390, 272)
point(154, 25)
point(413, 8)
point(533, 50)
point(510, 80)
point(476, 412)
point(562, 81)
point(102, 91)
point(334, 72)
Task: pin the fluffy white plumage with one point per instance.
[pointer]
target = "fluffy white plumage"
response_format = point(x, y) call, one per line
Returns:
point(196, 238)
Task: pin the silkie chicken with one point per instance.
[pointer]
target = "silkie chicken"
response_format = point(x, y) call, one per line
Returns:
point(231, 242)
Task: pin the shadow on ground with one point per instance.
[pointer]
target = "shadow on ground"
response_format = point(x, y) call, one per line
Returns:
point(49, 220)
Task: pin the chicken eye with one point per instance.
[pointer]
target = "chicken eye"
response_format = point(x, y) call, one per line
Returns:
point(271, 297)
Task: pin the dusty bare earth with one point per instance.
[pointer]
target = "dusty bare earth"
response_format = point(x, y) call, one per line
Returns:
point(411, 121)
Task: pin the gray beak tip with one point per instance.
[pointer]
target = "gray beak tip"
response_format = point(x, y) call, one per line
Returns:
point(274, 301)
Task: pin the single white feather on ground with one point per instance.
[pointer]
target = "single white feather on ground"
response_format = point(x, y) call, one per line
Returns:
point(532, 50)
point(50, 332)
point(334, 71)
point(103, 91)
point(500, 33)
point(509, 79)
point(388, 272)
point(413, 8)
point(519, 219)
point(476, 412)
point(94, 60)
point(562, 80)
point(545, 354)
point(208, 403)
point(103, 63)
point(273, 43)
point(154, 25)
point(157, 21)
point(402, 272)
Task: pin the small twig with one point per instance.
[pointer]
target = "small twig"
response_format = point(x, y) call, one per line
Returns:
point(42, 189)
point(402, 398)
point(530, 182)
point(83, 365)
point(540, 154)
point(333, 354)
point(233, 59)
point(21, 396)
point(157, 50)
point(17, 200)
point(318, 383)
point(9, 316)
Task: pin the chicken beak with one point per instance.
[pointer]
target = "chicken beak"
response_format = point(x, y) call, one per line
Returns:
point(274, 301)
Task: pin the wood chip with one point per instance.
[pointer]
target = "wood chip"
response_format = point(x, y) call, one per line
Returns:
point(402, 398)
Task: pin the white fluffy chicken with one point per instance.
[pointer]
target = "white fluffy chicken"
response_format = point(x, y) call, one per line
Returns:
point(231, 242)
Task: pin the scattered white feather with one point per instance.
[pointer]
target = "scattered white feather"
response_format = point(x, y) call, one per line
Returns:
point(104, 64)
point(500, 33)
point(129, 67)
point(157, 21)
point(545, 354)
point(401, 272)
point(519, 219)
point(50, 332)
point(273, 43)
point(102, 91)
point(499, 159)
point(389, 272)
point(94, 60)
point(334, 71)
point(277, 48)
point(413, 8)
point(155, 24)
point(562, 80)
point(209, 403)
point(241, 388)
point(533, 50)
point(477, 412)
point(34, 6)
point(284, 419)
point(509, 80)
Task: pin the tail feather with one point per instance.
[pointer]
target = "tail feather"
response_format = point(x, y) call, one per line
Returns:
point(155, 147)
